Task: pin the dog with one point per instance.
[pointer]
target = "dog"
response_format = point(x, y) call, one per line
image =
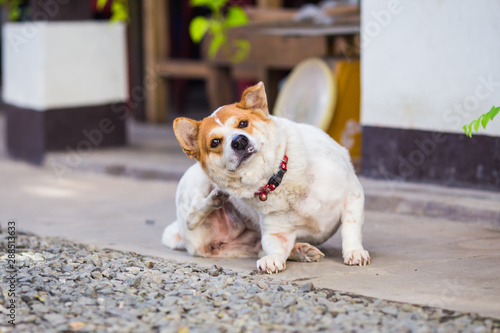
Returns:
point(264, 183)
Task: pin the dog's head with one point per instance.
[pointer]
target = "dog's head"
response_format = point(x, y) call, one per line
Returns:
point(231, 144)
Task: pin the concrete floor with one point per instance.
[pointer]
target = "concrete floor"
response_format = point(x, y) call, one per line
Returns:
point(415, 258)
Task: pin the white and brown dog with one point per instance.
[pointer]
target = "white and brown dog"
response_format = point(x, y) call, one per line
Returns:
point(264, 182)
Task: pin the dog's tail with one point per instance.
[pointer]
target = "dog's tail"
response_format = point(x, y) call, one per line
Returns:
point(171, 237)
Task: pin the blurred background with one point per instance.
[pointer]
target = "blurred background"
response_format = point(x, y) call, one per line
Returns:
point(393, 81)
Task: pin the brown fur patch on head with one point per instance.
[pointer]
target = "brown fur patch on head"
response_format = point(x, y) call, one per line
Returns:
point(230, 116)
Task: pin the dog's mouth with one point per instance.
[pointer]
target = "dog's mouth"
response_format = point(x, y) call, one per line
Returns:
point(245, 156)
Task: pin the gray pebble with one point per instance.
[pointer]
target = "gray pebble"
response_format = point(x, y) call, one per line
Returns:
point(55, 319)
point(262, 300)
point(307, 287)
point(133, 270)
point(262, 285)
point(134, 281)
point(390, 310)
point(67, 268)
point(96, 260)
point(90, 292)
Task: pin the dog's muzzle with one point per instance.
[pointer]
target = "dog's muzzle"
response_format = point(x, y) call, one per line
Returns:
point(240, 142)
point(242, 148)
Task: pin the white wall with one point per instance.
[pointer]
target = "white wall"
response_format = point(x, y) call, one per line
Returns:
point(426, 64)
point(49, 65)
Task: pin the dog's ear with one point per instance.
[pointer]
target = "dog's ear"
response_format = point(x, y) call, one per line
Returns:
point(254, 97)
point(186, 132)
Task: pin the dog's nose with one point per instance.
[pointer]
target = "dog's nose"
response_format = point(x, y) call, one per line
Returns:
point(240, 142)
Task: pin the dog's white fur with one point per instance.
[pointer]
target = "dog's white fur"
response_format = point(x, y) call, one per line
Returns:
point(319, 193)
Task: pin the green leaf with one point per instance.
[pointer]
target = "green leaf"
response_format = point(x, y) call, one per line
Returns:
point(119, 11)
point(101, 4)
point(198, 28)
point(119, 17)
point(482, 120)
point(243, 49)
point(195, 3)
point(476, 125)
point(216, 27)
point(215, 5)
point(494, 112)
point(485, 121)
point(236, 17)
point(215, 44)
point(14, 14)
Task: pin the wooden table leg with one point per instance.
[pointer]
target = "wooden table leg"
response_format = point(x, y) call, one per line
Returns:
point(156, 37)
point(220, 86)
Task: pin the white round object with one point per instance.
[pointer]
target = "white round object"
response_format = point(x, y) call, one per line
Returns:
point(308, 95)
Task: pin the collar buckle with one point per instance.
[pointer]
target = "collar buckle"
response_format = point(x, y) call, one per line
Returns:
point(274, 181)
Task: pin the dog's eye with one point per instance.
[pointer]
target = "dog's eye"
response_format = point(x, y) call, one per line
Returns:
point(243, 124)
point(215, 143)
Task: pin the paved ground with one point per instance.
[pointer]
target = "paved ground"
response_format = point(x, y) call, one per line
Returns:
point(429, 245)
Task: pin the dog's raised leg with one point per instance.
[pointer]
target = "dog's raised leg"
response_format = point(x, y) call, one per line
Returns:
point(352, 221)
point(202, 206)
point(276, 243)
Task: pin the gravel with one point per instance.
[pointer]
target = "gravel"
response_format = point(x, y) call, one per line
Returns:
point(66, 287)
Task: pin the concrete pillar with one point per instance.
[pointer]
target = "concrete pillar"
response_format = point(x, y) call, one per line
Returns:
point(64, 86)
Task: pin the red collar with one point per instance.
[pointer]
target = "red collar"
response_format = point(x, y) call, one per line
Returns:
point(274, 181)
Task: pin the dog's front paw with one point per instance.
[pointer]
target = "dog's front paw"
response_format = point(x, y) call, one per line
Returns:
point(359, 257)
point(218, 197)
point(271, 264)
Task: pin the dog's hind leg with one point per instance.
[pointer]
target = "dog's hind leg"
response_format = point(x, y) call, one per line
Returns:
point(352, 221)
point(171, 237)
point(305, 252)
point(201, 207)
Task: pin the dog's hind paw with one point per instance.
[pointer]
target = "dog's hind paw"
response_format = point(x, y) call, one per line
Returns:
point(271, 264)
point(358, 257)
point(218, 197)
point(305, 252)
